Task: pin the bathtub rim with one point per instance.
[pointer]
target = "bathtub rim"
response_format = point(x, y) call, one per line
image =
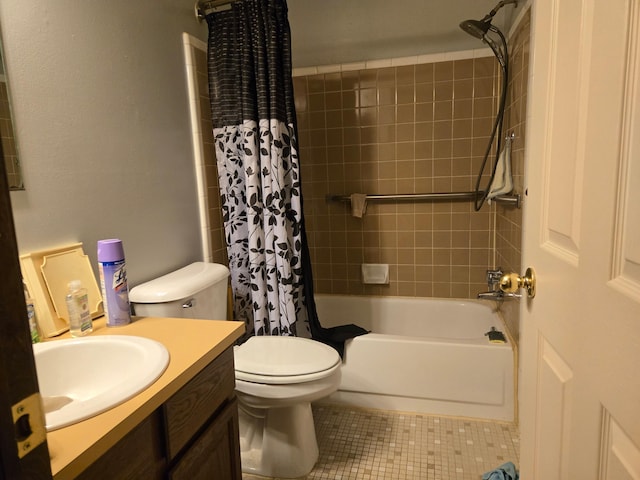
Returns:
point(492, 306)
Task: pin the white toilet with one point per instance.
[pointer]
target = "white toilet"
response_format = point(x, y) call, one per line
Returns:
point(277, 378)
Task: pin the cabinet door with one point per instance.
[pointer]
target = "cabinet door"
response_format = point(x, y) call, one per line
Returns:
point(139, 455)
point(215, 454)
point(196, 402)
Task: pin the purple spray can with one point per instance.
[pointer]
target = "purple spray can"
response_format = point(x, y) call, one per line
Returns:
point(113, 280)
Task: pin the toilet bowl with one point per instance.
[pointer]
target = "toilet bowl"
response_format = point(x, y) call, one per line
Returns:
point(277, 378)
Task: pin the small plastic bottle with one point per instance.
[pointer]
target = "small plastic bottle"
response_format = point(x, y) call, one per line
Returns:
point(33, 325)
point(80, 322)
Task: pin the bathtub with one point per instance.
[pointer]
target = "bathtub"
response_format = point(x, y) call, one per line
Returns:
point(423, 355)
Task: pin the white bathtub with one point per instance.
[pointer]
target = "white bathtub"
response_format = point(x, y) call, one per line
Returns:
point(423, 355)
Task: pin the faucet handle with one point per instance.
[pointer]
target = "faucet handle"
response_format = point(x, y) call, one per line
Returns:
point(494, 276)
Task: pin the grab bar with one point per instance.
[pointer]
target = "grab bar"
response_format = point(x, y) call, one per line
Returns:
point(515, 199)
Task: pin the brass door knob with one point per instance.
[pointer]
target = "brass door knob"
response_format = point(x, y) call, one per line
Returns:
point(511, 282)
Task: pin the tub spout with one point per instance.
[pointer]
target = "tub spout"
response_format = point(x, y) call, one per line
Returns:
point(497, 295)
point(491, 295)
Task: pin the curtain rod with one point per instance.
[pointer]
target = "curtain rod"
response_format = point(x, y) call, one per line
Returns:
point(515, 200)
point(203, 7)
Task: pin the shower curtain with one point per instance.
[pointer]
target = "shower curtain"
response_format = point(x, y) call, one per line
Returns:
point(257, 158)
point(255, 132)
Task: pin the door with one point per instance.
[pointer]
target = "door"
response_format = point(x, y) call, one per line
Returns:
point(22, 455)
point(580, 335)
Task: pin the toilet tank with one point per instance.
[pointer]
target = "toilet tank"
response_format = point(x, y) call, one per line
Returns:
point(198, 291)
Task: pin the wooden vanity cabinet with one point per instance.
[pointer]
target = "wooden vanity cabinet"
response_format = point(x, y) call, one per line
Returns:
point(138, 455)
point(194, 435)
point(212, 454)
point(201, 421)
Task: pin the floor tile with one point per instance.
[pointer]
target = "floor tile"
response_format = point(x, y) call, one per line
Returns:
point(361, 444)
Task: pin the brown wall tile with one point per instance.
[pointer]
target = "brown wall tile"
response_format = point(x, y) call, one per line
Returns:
point(400, 131)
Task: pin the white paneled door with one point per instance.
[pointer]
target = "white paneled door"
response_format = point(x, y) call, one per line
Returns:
point(580, 340)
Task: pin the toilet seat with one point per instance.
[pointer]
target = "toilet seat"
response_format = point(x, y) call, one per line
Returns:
point(284, 360)
point(285, 380)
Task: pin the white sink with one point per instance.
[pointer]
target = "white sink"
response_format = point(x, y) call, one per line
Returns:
point(82, 377)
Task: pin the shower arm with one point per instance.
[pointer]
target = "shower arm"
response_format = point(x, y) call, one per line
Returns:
point(204, 7)
point(479, 28)
point(500, 4)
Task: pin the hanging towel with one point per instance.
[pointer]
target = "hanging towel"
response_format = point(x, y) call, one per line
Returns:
point(503, 472)
point(358, 204)
point(502, 181)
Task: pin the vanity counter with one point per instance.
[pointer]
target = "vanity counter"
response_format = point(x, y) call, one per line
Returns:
point(192, 345)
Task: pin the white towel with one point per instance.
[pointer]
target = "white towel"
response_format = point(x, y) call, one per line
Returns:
point(358, 204)
point(502, 181)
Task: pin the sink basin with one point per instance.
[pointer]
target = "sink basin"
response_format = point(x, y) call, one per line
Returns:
point(82, 377)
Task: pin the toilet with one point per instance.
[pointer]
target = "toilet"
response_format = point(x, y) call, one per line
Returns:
point(277, 378)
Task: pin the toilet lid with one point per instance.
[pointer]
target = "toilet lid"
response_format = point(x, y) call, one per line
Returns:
point(284, 356)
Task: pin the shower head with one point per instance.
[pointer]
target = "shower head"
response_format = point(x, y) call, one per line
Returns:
point(479, 28)
point(476, 28)
point(498, 44)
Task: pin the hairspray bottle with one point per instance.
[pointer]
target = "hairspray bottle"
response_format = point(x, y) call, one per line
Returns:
point(113, 280)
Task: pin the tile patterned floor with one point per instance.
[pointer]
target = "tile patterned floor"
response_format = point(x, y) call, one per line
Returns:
point(359, 444)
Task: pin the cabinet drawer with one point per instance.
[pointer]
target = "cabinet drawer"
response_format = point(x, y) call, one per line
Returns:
point(216, 452)
point(192, 406)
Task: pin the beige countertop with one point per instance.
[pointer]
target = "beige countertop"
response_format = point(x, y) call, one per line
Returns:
point(192, 345)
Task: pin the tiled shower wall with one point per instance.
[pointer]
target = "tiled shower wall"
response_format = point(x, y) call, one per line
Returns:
point(7, 137)
point(509, 220)
point(401, 129)
point(216, 229)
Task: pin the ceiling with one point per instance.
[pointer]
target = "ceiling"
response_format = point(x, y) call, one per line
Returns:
point(326, 32)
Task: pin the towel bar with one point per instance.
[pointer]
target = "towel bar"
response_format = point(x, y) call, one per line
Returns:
point(515, 199)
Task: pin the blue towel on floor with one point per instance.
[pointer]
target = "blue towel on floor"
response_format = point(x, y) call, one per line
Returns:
point(503, 472)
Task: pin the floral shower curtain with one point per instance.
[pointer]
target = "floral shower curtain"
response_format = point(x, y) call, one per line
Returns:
point(254, 126)
point(257, 157)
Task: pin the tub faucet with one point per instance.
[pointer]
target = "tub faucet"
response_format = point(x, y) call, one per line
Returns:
point(490, 295)
point(493, 281)
point(497, 295)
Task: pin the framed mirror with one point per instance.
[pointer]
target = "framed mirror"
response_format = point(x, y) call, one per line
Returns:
point(7, 132)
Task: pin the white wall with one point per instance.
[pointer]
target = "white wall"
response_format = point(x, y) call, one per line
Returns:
point(101, 113)
point(327, 32)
